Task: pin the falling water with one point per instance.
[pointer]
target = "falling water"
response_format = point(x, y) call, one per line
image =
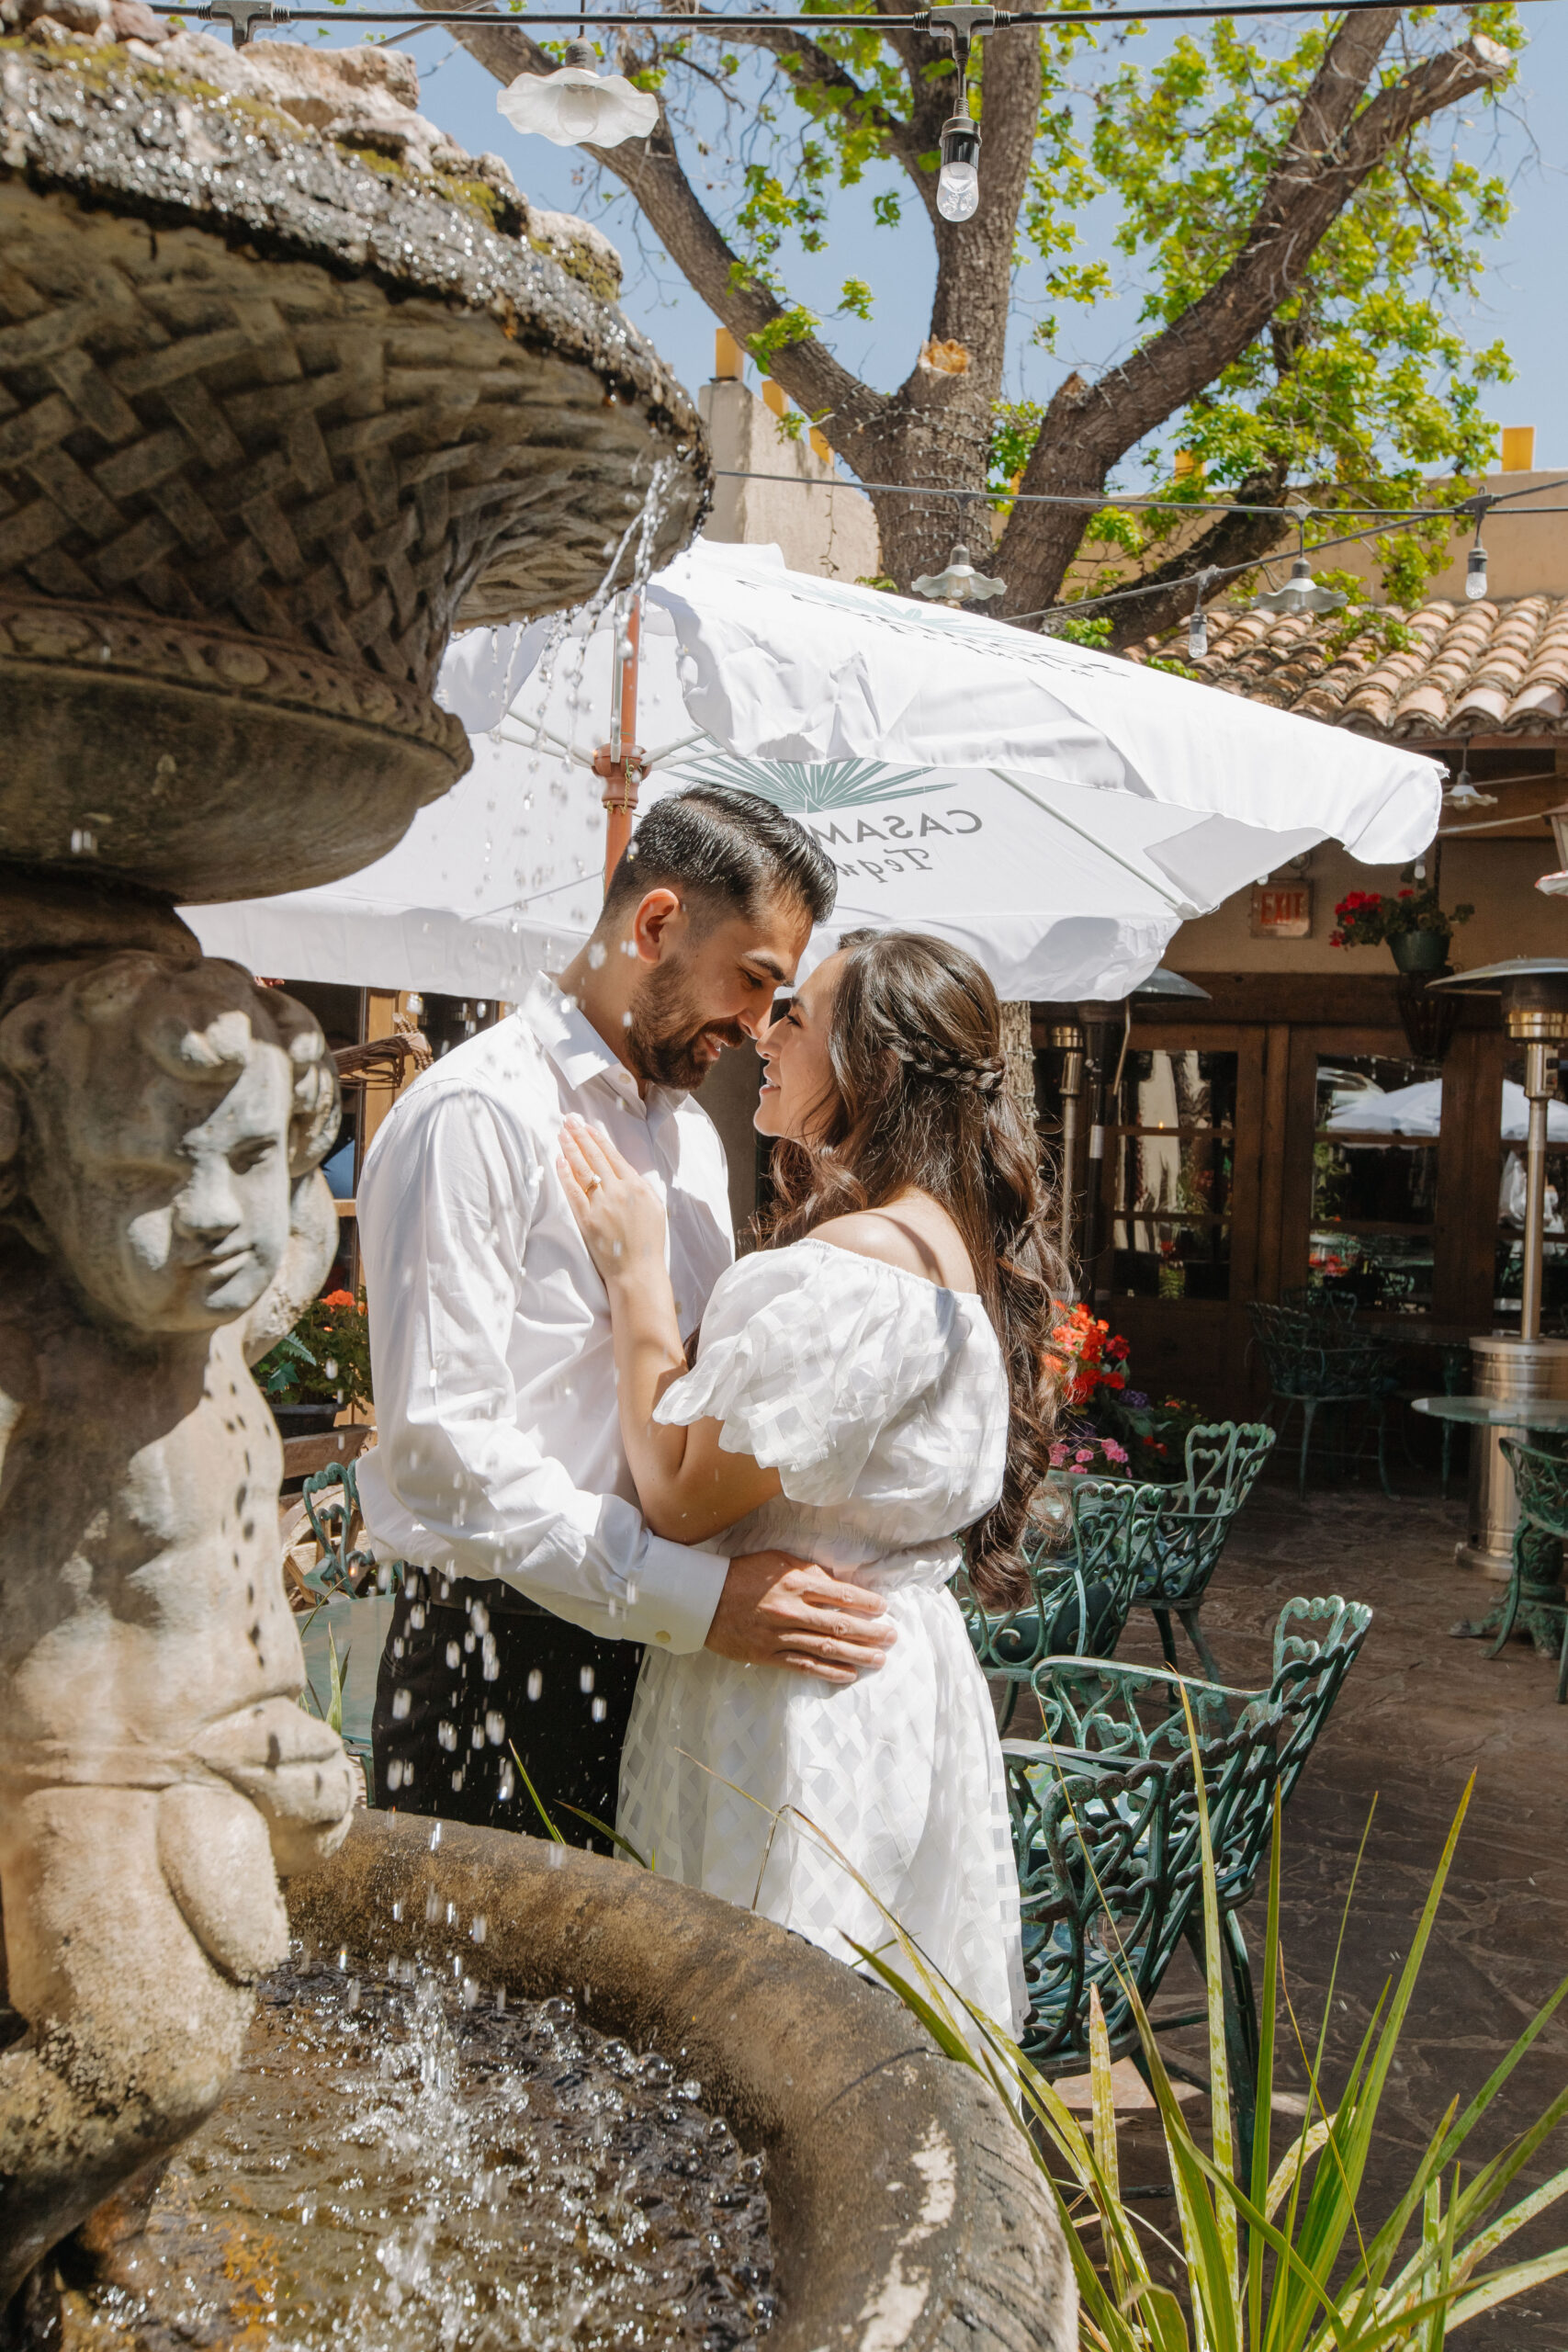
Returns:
point(415, 2164)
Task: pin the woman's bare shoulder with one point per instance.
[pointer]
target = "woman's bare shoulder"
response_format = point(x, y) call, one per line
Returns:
point(917, 1236)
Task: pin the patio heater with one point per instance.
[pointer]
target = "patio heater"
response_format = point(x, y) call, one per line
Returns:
point(1534, 992)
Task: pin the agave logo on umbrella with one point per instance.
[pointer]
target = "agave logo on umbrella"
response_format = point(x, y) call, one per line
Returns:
point(804, 788)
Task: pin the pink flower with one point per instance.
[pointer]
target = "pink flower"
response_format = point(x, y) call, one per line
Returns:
point(1115, 1452)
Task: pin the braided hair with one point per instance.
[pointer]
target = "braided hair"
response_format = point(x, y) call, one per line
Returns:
point(920, 1104)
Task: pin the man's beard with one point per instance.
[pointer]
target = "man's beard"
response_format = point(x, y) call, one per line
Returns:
point(664, 1037)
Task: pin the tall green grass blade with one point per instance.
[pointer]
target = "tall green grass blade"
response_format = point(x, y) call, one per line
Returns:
point(1262, 2129)
point(550, 1829)
point(335, 1672)
point(622, 1845)
point(1104, 2095)
point(1219, 2056)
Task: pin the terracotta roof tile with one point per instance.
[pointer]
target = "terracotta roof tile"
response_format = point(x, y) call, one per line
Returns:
point(1482, 669)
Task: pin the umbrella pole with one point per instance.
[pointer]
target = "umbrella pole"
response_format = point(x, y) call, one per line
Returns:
point(1539, 1088)
point(621, 762)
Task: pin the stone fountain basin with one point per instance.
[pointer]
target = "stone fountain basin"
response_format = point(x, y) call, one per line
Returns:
point(276, 412)
point(906, 2211)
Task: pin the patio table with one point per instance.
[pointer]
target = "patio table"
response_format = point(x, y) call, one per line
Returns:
point(1541, 1601)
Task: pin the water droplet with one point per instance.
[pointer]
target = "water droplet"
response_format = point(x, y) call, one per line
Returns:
point(480, 1928)
point(432, 1909)
point(453, 1655)
point(434, 1837)
point(495, 1728)
point(585, 1679)
point(402, 1702)
point(599, 1711)
point(396, 1911)
point(447, 1735)
point(535, 1683)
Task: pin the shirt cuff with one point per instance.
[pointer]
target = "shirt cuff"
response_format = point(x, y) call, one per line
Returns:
point(671, 1600)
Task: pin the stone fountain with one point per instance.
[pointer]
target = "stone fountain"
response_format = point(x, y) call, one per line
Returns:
point(289, 387)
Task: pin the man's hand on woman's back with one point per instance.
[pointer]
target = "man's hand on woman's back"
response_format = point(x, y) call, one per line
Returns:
point(776, 1609)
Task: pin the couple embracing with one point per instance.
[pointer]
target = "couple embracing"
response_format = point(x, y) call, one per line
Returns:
point(685, 1526)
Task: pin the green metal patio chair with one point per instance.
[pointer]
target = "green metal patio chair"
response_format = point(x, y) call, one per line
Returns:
point(1222, 1461)
point(1535, 1601)
point(1081, 1591)
point(1319, 1361)
point(330, 1498)
point(1107, 1840)
point(1311, 1298)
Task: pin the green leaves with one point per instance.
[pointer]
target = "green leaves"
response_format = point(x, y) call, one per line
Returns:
point(1283, 2262)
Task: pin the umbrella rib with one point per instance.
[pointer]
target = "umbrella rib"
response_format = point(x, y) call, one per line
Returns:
point(1177, 905)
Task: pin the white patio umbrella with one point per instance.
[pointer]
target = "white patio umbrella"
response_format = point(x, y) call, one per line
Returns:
point(1416, 1110)
point(1056, 811)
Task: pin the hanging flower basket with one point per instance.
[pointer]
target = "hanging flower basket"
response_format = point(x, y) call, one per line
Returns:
point(1420, 951)
point(1415, 928)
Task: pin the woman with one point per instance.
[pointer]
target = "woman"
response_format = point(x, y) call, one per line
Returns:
point(867, 1386)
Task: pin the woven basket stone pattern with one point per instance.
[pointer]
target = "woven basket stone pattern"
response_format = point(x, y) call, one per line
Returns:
point(208, 437)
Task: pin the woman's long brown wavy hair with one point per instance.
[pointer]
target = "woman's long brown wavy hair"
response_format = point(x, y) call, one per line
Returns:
point(920, 1104)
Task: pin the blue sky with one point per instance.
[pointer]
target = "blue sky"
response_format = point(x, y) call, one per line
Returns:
point(1522, 296)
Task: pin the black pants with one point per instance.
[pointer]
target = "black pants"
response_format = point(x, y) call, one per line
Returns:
point(471, 1671)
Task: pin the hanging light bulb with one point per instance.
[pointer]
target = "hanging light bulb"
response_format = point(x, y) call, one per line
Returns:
point(958, 182)
point(577, 106)
point(1476, 574)
point(1555, 886)
point(1198, 619)
point(960, 583)
point(1301, 593)
point(1465, 794)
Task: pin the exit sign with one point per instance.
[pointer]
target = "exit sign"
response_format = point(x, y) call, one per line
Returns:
point(1281, 911)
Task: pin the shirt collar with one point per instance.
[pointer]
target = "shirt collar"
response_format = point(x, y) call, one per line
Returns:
point(578, 1052)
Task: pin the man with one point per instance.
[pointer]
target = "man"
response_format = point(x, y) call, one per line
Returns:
point(499, 1469)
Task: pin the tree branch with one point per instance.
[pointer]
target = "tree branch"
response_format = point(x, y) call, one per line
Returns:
point(1331, 150)
point(815, 70)
point(1230, 540)
point(651, 171)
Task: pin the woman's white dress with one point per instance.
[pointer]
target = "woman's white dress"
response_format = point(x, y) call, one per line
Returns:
point(882, 1402)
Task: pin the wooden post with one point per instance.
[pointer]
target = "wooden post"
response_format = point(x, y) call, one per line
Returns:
point(622, 763)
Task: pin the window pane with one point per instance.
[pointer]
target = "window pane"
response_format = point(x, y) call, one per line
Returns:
point(1375, 1179)
point(1173, 1156)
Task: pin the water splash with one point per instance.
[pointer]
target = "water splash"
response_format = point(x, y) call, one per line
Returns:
point(406, 2165)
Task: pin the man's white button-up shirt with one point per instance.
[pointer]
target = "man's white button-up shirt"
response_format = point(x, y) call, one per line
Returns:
point(499, 1444)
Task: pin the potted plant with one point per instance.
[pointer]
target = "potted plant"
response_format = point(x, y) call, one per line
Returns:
point(320, 1366)
point(1415, 928)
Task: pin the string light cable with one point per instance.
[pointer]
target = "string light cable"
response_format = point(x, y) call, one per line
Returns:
point(244, 18)
point(1206, 575)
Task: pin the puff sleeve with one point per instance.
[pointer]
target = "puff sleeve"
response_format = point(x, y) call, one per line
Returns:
point(807, 1353)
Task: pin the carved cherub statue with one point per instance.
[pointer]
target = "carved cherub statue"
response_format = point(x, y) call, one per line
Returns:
point(161, 1222)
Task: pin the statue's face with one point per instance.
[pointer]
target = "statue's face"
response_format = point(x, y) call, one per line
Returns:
point(170, 1210)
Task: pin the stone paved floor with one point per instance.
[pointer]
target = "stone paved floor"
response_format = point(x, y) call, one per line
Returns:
point(1417, 1715)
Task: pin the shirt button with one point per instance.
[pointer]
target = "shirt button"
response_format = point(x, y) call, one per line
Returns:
point(663, 1637)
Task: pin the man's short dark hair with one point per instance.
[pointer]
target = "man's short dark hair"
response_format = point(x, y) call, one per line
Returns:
point(733, 849)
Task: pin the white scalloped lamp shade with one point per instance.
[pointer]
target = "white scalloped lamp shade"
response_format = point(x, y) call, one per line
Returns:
point(574, 107)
